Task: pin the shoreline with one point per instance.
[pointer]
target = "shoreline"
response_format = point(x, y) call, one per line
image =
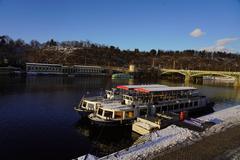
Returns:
point(217, 146)
point(176, 142)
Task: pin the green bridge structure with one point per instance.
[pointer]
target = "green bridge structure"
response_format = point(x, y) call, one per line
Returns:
point(190, 74)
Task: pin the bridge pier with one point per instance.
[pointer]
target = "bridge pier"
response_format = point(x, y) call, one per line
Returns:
point(187, 78)
point(109, 72)
point(237, 81)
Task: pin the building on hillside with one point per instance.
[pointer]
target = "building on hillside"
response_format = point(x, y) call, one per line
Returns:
point(9, 70)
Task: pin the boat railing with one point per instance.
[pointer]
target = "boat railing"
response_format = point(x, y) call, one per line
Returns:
point(179, 100)
point(141, 99)
point(94, 98)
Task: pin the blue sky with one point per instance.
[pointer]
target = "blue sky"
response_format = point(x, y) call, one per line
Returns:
point(128, 24)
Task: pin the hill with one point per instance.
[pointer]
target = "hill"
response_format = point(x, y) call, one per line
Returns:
point(17, 52)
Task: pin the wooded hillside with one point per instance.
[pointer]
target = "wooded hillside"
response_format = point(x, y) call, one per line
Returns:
point(17, 52)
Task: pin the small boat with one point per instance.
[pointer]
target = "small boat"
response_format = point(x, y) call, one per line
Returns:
point(122, 76)
point(87, 106)
point(148, 102)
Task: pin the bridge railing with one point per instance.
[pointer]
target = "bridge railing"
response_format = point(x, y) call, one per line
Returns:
point(203, 71)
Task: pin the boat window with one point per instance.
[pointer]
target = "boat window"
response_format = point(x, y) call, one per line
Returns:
point(84, 104)
point(191, 104)
point(196, 103)
point(100, 111)
point(143, 112)
point(158, 109)
point(175, 106)
point(118, 115)
point(164, 108)
point(181, 105)
point(186, 105)
point(108, 114)
point(129, 114)
point(170, 107)
point(90, 106)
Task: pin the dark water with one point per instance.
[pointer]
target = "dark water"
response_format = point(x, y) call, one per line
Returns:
point(37, 120)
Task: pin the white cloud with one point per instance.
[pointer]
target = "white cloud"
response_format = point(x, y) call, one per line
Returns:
point(225, 41)
point(220, 45)
point(197, 32)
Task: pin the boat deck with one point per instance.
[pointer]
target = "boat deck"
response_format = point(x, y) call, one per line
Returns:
point(116, 105)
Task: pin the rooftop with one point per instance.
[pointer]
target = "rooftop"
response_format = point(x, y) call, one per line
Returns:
point(44, 64)
point(47, 64)
point(118, 106)
point(131, 87)
point(164, 89)
point(87, 66)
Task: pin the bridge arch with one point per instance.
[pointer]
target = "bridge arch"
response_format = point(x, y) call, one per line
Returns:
point(185, 74)
point(169, 72)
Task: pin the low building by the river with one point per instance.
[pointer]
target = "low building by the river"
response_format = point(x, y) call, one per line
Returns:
point(83, 70)
point(59, 69)
point(9, 70)
point(42, 68)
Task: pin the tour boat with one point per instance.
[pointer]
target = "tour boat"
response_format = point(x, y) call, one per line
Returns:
point(148, 102)
point(89, 105)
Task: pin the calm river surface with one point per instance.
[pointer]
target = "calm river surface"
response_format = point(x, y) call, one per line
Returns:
point(37, 120)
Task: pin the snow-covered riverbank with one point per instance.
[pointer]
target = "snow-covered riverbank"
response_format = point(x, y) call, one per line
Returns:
point(224, 119)
point(173, 136)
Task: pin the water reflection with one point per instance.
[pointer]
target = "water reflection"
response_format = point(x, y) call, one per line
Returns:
point(37, 116)
point(218, 83)
point(106, 140)
point(123, 81)
point(10, 85)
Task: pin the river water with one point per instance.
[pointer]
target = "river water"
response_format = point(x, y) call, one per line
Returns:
point(37, 120)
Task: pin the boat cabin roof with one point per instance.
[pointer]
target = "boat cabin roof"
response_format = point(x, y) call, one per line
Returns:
point(132, 87)
point(117, 106)
point(44, 64)
point(164, 89)
point(91, 101)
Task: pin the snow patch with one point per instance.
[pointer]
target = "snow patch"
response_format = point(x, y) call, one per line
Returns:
point(159, 141)
point(224, 119)
point(87, 157)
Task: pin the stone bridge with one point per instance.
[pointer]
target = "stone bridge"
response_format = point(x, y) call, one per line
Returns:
point(189, 74)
